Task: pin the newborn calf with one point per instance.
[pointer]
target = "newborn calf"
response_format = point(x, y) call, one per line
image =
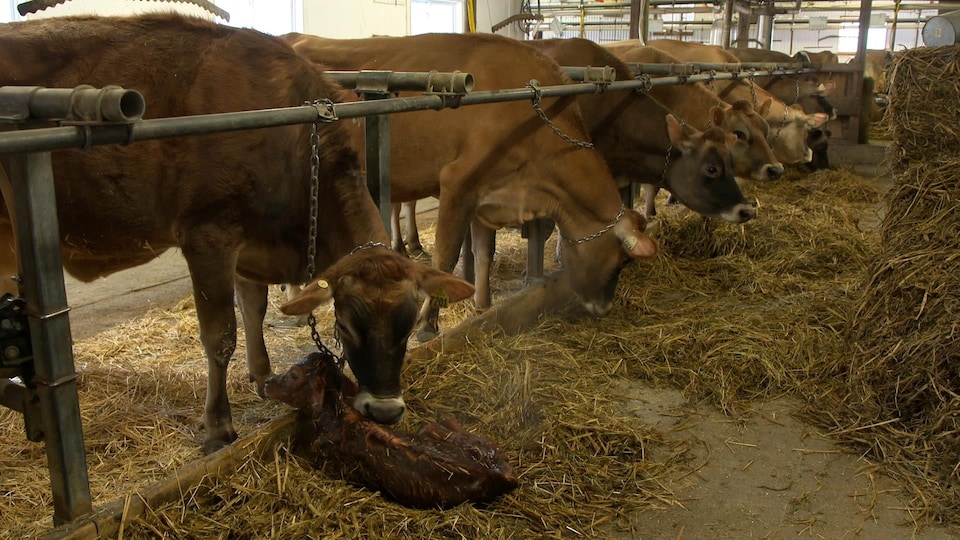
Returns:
point(441, 466)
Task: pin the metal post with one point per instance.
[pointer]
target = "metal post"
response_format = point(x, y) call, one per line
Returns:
point(727, 23)
point(855, 131)
point(765, 30)
point(376, 133)
point(55, 384)
point(535, 233)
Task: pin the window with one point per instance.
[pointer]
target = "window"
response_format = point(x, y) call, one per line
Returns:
point(428, 16)
point(268, 16)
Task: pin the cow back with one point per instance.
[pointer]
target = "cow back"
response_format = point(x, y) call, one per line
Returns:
point(120, 206)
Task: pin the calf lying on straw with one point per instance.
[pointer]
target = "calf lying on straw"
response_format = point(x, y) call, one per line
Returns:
point(441, 466)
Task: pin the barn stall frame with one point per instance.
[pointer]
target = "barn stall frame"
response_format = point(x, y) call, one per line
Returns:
point(50, 403)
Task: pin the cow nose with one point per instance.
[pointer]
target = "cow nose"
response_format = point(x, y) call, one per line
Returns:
point(380, 410)
point(774, 171)
point(740, 213)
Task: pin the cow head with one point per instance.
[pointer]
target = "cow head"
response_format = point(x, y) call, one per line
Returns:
point(752, 156)
point(788, 132)
point(376, 296)
point(593, 262)
point(812, 95)
point(701, 176)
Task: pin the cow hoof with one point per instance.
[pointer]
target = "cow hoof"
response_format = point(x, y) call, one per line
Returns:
point(210, 447)
point(260, 383)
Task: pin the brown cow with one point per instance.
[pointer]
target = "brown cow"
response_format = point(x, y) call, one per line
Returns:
point(630, 131)
point(440, 466)
point(807, 89)
point(752, 155)
point(789, 125)
point(235, 204)
point(499, 162)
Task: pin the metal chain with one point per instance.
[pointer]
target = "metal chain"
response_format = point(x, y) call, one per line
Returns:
point(598, 234)
point(367, 245)
point(753, 90)
point(312, 321)
point(713, 90)
point(314, 200)
point(646, 86)
point(537, 93)
point(783, 122)
point(666, 161)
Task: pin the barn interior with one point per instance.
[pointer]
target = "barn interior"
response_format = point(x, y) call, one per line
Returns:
point(791, 375)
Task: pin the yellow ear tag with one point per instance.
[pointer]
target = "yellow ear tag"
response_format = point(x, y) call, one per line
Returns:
point(439, 298)
point(630, 242)
point(323, 284)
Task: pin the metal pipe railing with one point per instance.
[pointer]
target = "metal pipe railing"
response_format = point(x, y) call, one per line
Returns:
point(85, 103)
point(396, 81)
point(46, 139)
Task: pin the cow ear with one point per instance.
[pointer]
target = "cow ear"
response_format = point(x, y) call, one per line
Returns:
point(826, 87)
point(731, 139)
point(764, 109)
point(716, 114)
point(678, 134)
point(442, 285)
point(816, 119)
point(313, 295)
point(630, 232)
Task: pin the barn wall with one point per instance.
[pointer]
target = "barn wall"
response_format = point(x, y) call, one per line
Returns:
point(118, 7)
point(356, 18)
point(490, 12)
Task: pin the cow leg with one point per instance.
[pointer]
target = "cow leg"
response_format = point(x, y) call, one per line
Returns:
point(467, 260)
point(483, 246)
point(396, 232)
point(453, 219)
point(212, 271)
point(650, 201)
point(414, 247)
point(252, 299)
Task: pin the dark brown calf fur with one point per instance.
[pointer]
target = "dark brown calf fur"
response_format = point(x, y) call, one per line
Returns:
point(235, 204)
point(441, 466)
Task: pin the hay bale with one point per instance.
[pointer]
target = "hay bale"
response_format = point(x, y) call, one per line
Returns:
point(904, 400)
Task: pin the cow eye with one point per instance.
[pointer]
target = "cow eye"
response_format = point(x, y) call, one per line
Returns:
point(740, 135)
point(713, 171)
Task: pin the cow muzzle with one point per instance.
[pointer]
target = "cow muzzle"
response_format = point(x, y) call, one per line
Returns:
point(772, 171)
point(740, 213)
point(383, 410)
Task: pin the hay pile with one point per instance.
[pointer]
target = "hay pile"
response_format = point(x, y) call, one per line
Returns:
point(729, 314)
point(904, 372)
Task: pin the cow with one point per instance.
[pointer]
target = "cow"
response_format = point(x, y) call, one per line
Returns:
point(789, 125)
point(237, 205)
point(499, 162)
point(809, 90)
point(630, 131)
point(614, 117)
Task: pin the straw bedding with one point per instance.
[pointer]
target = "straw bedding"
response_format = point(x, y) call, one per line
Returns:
point(728, 314)
point(902, 403)
point(784, 304)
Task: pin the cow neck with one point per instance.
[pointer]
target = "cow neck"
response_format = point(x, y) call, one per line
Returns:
point(688, 103)
point(585, 216)
point(599, 233)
